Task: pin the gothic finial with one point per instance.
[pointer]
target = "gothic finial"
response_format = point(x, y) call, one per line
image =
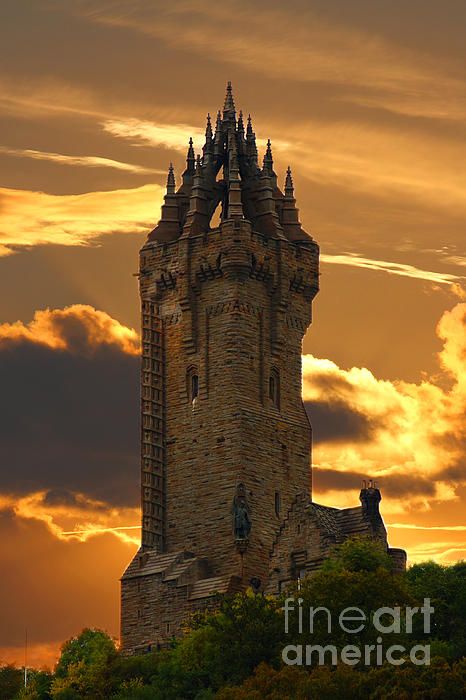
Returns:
point(229, 105)
point(251, 148)
point(268, 159)
point(289, 188)
point(240, 122)
point(171, 180)
point(208, 129)
point(190, 159)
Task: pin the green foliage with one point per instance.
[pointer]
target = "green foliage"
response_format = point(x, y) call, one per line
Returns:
point(436, 682)
point(82, 670)
point(234, 652)
point(446, 588)
point(38, 686)
point(358, 554)
point(90, 648)
point(358, 576)
point(11, 680)
point(246, 630)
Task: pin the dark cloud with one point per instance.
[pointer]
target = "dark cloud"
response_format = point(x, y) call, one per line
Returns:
point(62, 497)
point(69, 422)
point(336, 421)
point(59, 497)
point(332, 383)
point(455, 473)
point(394, 485)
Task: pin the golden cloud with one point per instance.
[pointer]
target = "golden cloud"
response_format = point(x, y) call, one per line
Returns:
point(166, 135)
point(86, 161)
point(173, 136)
point(392, 268)
point(443, 552)
point(417, 429)
point(42, 655)
point(36, 218)
point(378, 161)
point(75, 516)
point(77, 325)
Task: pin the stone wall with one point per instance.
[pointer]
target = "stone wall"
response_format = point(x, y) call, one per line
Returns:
point(232, 307)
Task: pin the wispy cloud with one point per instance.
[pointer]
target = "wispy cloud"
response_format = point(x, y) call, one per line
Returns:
point(166, 135)
point(387, 75)
point(442, 552)
point(36, 218)
point(392, 268)
point(86, 161)
point(79, 517)
point(98, 531)
point(446, 528)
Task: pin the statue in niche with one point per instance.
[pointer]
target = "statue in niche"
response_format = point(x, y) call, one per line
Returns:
point(242, 521)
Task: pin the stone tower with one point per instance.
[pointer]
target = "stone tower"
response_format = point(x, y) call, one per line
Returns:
point(227, 278)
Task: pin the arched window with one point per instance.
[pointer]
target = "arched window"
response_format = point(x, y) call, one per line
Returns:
point(274, 387)
point(192, 383)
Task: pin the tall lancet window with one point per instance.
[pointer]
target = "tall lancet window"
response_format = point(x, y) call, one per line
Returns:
point(274, 387)
point(192, 383)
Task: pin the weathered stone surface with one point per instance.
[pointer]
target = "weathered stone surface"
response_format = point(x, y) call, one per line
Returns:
point(225, 439)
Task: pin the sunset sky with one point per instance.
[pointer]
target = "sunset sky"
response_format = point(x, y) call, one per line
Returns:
point(367, 103)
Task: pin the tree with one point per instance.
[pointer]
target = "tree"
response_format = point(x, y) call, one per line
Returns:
point(440, 681)
point(358, 554)
point(357, 575)
point(228, 645)
point(446, 588)
point(38, 686)
point(82, 669)
point(11, 679)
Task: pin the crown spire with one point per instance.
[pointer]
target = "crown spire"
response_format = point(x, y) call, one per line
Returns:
point(228, 171)
point(289, 188)
point(229, 105)
point(171, 180)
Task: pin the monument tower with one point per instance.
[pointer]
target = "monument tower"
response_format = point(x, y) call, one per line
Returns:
point(227, 279)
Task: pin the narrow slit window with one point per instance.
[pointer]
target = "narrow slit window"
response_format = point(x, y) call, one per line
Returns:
point(194, 386)
point(192, 383)
point(277, 503)
point(274, 387)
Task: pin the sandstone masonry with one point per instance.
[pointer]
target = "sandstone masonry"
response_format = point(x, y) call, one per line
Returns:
point(225, 439)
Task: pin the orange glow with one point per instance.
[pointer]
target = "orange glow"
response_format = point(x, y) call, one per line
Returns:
point(49, 327)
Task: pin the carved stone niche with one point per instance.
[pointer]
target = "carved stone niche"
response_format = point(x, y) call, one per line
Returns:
point(241, 517)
